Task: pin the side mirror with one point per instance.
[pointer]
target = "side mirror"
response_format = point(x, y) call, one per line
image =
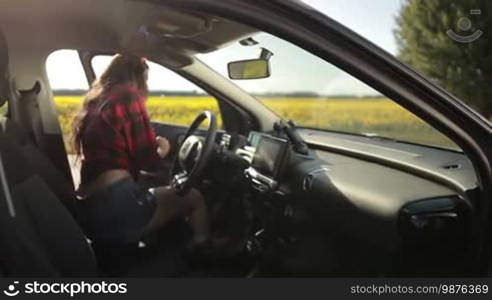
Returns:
point(249, 69)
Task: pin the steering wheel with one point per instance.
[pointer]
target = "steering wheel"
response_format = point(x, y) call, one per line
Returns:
point(193, 154)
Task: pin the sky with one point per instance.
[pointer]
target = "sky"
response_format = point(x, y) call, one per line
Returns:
point(372, 19)
point(293, 69)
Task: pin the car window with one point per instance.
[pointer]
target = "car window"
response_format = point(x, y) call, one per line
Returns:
point(445, 40)
point(172, 98)
point(316, 94)
point(68, 88)
point(4, 108)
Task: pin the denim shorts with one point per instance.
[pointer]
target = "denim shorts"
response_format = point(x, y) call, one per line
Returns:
point(118, 213)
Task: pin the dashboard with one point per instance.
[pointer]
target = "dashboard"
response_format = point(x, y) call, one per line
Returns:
point(384, 207)
point(351, 206)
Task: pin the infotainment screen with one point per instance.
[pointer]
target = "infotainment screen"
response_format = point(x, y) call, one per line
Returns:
point(269, 154)
point(254, 138)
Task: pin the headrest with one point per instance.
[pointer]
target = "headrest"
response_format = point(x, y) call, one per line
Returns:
point(4, 74)
point(32, 91)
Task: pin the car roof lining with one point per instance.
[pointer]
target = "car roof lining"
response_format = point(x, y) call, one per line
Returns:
point(124, 26)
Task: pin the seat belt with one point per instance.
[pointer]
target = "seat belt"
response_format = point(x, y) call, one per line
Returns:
point(6, 189)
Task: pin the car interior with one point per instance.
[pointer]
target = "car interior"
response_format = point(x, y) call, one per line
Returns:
point(283, 200)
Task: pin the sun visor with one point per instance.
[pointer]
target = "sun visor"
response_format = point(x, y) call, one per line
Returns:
point(174, 24)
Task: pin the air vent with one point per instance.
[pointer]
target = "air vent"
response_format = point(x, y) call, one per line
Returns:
point(307, 182)
point(451, 166)
point(433, 220)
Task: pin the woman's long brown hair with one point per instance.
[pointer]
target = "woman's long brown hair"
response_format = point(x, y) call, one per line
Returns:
point(123, 69)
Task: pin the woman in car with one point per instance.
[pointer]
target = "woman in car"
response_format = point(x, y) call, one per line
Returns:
point(112, 132)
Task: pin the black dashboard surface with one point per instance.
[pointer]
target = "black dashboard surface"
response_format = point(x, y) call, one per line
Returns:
point(359, 187)
point(360, 198)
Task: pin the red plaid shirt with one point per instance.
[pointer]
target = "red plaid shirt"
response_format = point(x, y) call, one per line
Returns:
point(117, 135)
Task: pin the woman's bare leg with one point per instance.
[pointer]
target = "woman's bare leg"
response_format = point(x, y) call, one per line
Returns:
point(170, 206)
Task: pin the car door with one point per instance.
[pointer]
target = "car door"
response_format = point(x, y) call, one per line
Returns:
point(301, 25)
point(410, 89)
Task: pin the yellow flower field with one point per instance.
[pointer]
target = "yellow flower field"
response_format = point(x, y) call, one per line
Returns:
point(380, 115)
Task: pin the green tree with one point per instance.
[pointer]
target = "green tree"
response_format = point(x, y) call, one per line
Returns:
point(463, 68)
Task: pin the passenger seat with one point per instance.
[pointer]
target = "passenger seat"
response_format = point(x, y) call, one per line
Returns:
point(41, 164)
point(38, 235)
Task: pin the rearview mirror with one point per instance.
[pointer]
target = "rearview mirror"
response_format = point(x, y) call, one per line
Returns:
point(249, 69)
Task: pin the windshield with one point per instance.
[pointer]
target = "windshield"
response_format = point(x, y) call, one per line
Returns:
point(315, 94)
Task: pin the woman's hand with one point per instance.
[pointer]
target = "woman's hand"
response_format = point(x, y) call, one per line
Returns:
point(163, 146)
